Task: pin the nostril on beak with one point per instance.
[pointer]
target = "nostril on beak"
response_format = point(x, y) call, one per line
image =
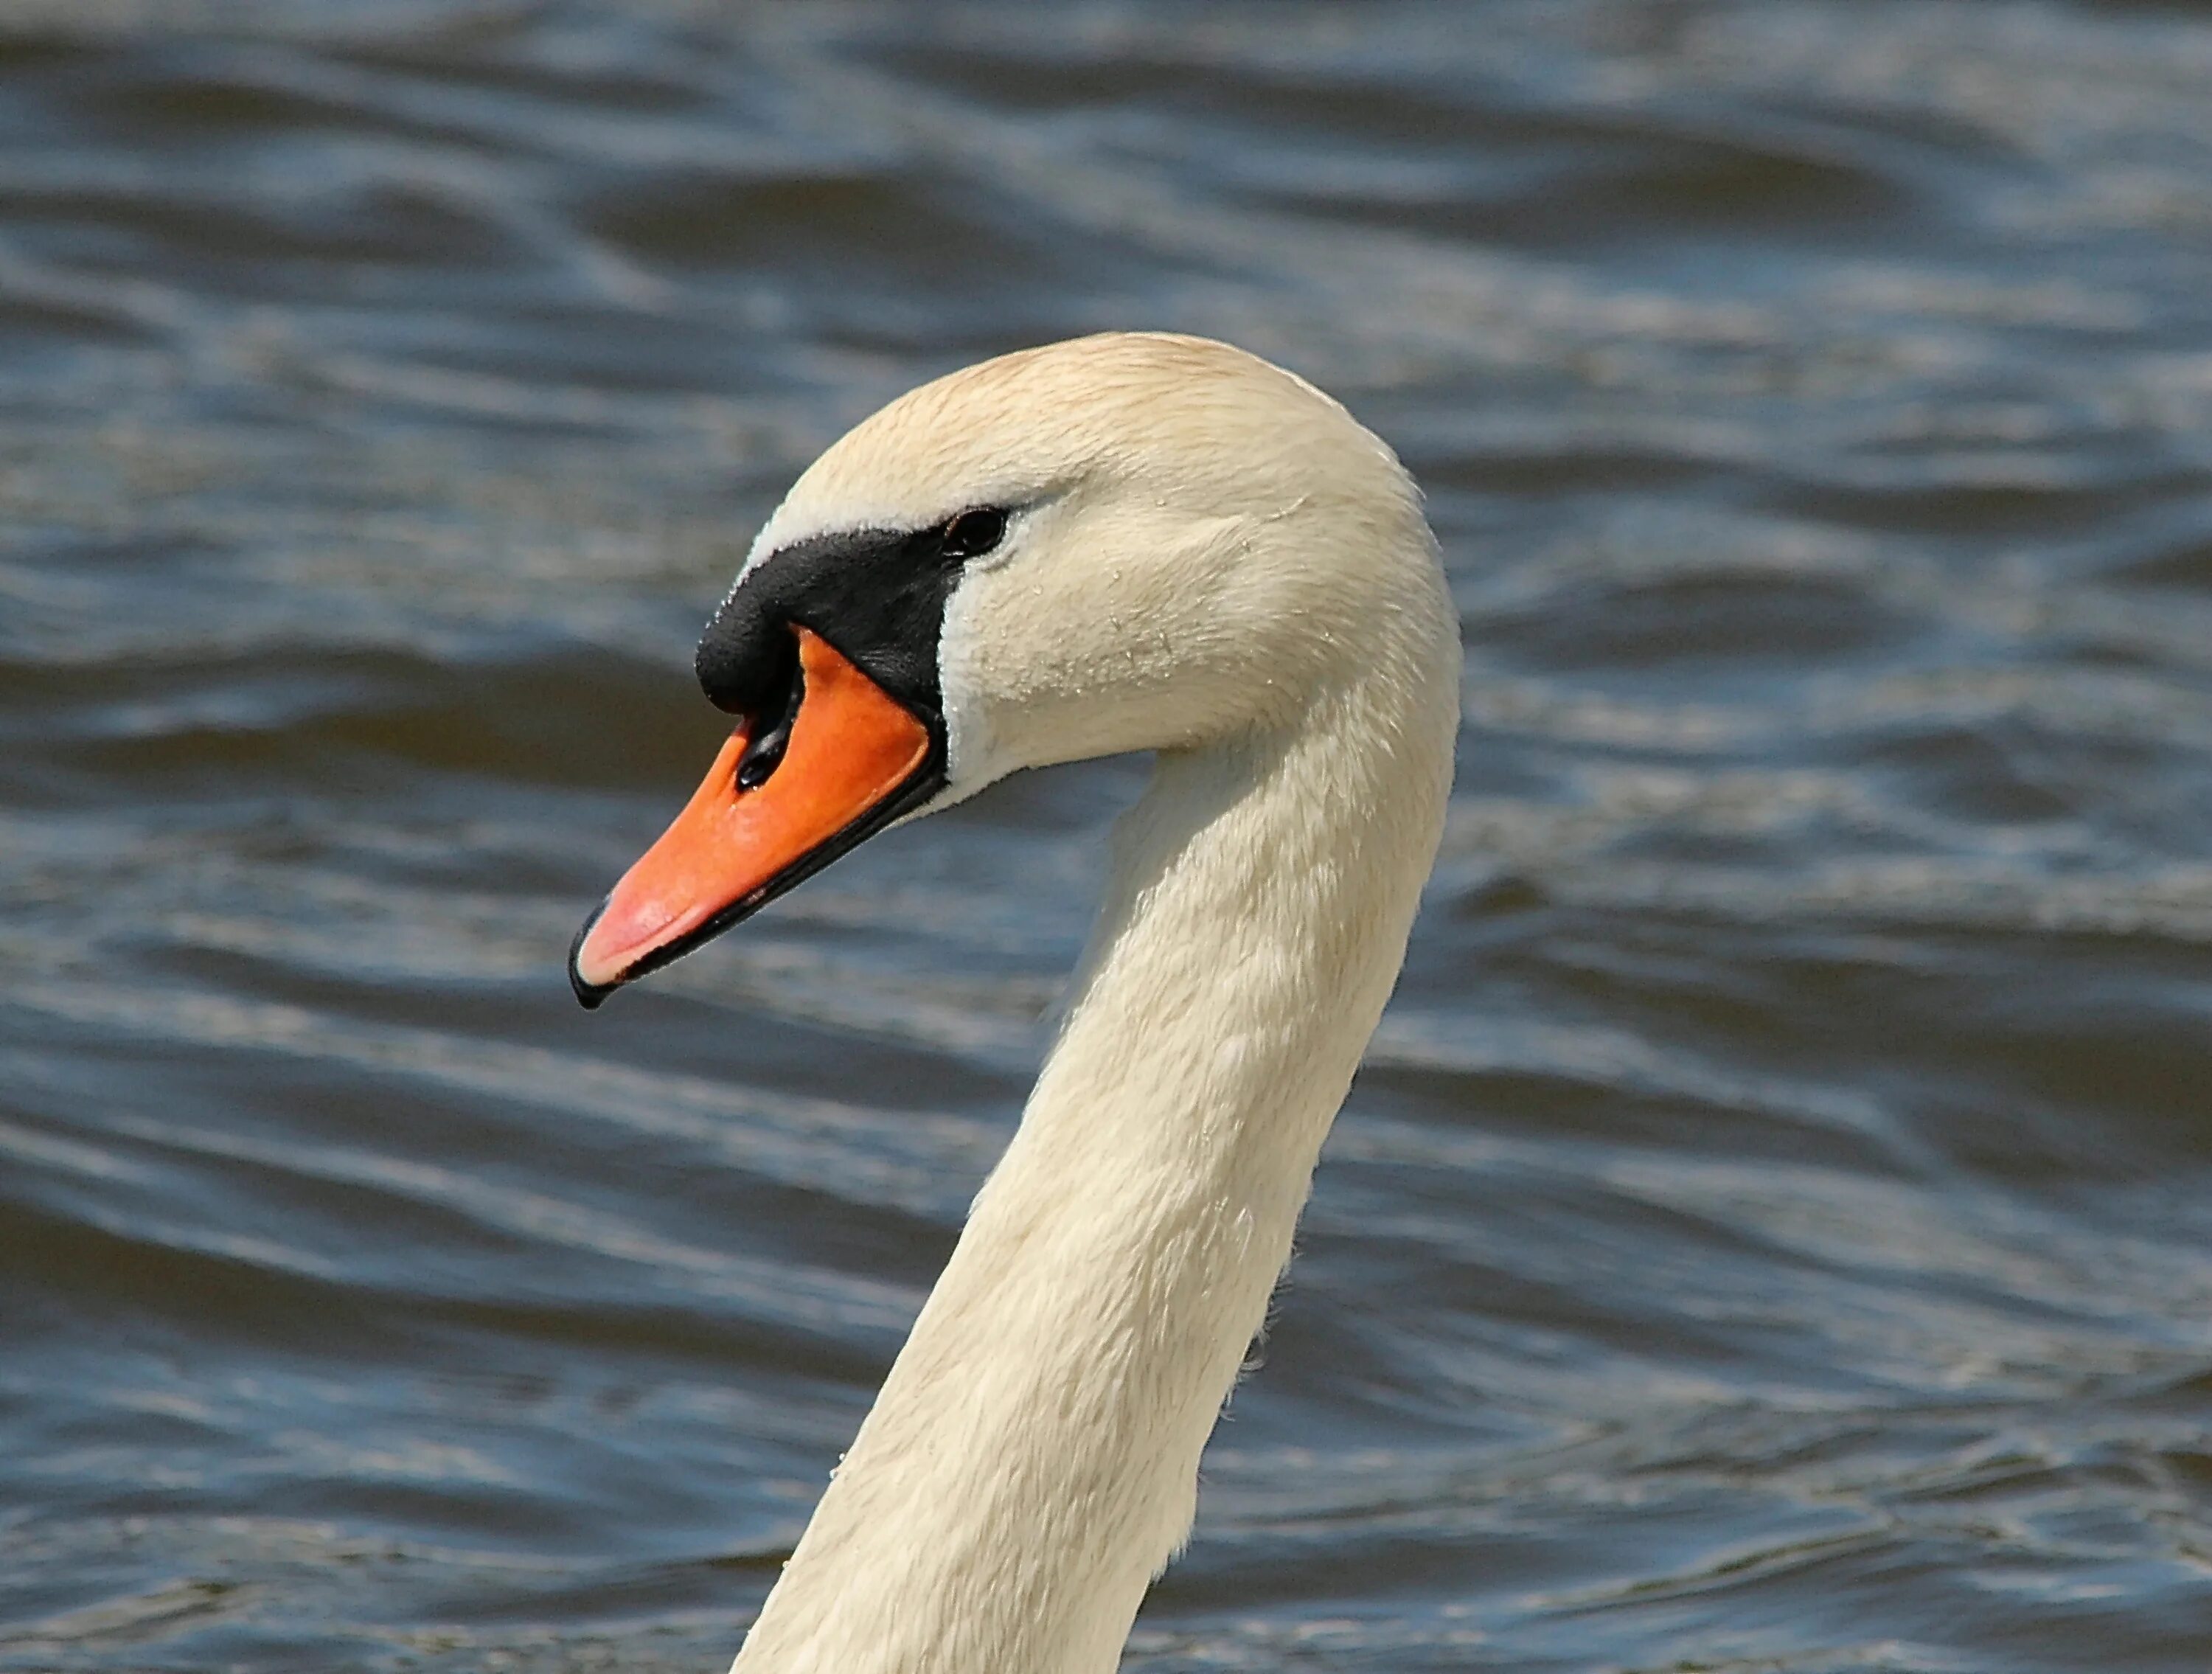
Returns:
point(771, 738)
point(763, 755)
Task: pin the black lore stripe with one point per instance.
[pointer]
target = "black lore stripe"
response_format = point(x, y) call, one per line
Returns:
point(877, 595)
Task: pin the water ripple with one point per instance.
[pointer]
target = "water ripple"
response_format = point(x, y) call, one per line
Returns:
point(1769, 1232)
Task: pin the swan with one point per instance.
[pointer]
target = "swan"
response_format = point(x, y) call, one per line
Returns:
point(1127, 542)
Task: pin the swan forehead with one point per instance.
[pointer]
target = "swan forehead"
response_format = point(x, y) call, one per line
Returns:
point(1153, 409)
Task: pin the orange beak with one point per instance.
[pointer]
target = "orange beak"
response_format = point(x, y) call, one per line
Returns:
point(853, 748)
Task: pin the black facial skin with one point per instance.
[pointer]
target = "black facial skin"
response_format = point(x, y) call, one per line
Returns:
point(877, 597)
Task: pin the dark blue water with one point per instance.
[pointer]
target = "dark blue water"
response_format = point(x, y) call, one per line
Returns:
point(1774, 1229)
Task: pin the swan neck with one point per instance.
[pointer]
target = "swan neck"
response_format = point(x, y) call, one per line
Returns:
point(1031, 1463)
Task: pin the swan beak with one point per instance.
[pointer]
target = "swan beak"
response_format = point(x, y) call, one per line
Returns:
point(853, 749)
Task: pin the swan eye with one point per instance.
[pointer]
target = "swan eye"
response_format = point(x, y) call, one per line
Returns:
point(971, 534)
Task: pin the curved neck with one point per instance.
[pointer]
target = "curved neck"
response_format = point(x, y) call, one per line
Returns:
point(1032, 1461)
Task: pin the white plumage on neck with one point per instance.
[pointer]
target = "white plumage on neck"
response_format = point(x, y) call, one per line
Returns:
point(1032, 1461)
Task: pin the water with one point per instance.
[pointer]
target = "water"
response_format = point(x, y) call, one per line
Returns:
point(1772, 1232)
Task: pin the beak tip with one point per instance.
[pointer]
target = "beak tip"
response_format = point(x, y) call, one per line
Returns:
point(589, 995)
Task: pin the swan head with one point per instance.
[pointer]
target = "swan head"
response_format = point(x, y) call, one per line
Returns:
point(1128, 542)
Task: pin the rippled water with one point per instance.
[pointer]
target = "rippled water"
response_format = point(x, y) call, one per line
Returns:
point(1772, 1232)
